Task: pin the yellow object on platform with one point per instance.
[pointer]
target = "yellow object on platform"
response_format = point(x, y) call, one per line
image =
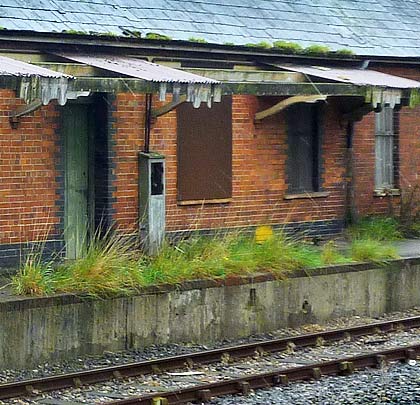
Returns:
point(263, 233)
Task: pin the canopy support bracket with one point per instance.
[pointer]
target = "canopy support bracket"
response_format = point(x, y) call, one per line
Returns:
point(157, 112)
point(276, 108)
point(21, 111)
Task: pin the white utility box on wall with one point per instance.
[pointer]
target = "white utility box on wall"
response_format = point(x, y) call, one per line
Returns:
point(152, 200)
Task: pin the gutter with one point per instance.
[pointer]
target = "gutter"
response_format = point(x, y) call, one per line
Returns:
point(25, 40)
point(15, 40)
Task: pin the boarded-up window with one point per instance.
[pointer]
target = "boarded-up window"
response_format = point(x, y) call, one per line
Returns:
point(205, 151)
point(304, 148)
point(384, 148)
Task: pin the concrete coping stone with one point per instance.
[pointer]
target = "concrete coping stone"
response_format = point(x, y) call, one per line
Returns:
point(14, 302)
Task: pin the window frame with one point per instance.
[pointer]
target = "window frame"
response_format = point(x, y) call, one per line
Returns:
point(386, 138)
point(316, 112)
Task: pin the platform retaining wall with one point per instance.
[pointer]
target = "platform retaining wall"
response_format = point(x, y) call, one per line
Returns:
point(35, 330)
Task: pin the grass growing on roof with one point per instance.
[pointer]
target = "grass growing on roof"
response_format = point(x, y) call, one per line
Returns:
point(317, 50)
point(286, 46)
point(262, 44)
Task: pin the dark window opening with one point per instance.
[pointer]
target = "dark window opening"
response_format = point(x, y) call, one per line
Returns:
point(303, 160)
point(205, 151)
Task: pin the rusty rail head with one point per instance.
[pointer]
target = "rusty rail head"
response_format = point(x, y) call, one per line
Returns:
point(76, 379)
point(242, 385)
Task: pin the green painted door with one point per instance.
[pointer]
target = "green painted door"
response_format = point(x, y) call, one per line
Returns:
point(76, 209)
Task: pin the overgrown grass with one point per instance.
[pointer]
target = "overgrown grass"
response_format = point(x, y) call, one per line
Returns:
point(376, 228)
point(330, 255)
point(34, 278)
point(370, 250)
point(112, 265)
point(371, 237)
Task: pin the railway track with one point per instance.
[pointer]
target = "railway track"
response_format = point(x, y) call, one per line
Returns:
point(243, 385)
point(79, 379)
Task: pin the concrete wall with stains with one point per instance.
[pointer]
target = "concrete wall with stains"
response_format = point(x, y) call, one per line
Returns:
point(34, 330)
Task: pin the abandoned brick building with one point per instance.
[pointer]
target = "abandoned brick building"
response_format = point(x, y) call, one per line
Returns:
point(158, 117)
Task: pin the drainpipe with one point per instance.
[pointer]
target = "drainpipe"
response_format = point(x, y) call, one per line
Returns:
point(147, 123)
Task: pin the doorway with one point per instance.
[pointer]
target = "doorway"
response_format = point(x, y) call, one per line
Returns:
point(84, 126)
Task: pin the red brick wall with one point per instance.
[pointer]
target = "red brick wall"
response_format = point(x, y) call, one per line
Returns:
point(29, 189)
point(28, 184)
point(259, 166)
point(409, 154)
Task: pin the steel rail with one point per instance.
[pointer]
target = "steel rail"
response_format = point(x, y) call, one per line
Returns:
point(243, 385)
point(98, 375)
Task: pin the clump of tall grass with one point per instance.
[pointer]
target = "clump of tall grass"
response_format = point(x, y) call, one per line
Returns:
point(34, 276)
point(376, 228)
point(331, 255)
point(113, 265)
point(370, 250)
point(108, 267)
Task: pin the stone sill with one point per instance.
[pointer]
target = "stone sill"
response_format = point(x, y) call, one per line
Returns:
point(315, 194)
point(394, 192)
point(202, 202)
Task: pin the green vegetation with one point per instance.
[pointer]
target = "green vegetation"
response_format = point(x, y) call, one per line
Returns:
point(289, 47)
point(409, 215)
point(262, 44)
point(155, 35)
point(371, 250)
point(344, 52)
point(198, 40)
point(295, 48)
point(376, 228)
point(108, 34)
point(317, 50)
point(75, 32)
point(283, 46)
point(330, 255)
point(370, 239)
point(113, 264)
point(34, 278)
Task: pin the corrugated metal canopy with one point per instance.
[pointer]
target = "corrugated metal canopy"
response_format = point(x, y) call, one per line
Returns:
point(359, 77)
point(139, 69)
point(12, 67)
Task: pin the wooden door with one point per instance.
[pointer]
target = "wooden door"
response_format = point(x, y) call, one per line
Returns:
point(76, 209)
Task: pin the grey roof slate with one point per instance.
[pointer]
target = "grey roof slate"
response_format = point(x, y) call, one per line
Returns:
point(368, 27)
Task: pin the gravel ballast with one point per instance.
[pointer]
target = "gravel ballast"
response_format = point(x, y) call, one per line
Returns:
point(118, 389)
point(398, 384)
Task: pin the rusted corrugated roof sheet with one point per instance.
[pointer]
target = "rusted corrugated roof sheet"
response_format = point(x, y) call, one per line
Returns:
point(360, 77)
point(140, 69)
point(12, 67)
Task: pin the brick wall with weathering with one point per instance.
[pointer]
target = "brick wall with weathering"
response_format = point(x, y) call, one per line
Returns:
point(30, 207)
point(407, 160)
point(259, 167)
